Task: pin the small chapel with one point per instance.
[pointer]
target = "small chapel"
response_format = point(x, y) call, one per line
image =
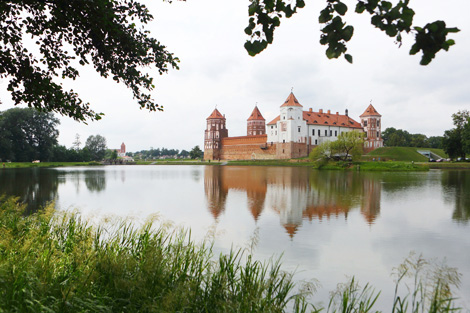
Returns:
point(292, 134)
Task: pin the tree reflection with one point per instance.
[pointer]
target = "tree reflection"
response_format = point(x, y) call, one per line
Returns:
point(34, 186)
point(456, 186)
point(95, 180)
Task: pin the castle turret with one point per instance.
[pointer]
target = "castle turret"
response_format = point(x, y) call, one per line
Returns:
point(371, 122)
point(123, 148)
point(256, 124)
point(214, 133)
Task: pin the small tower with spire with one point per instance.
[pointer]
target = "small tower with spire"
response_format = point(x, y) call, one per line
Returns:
point(215, 131)
point(371, 122)
point(256, 124)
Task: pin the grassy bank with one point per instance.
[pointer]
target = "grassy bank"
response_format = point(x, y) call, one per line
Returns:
point(46, 164)
point(407, 154)
point(51, 262)
point(388, 166)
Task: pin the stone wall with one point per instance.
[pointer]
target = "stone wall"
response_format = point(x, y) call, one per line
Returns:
point(291, 150)
point(247, 148)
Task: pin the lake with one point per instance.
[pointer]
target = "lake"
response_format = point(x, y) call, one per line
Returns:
point(327, 225)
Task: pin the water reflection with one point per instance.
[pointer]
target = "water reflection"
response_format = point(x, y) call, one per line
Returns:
point(456, 185)
point(35, 187)
point(95, 181)
point(295, 194)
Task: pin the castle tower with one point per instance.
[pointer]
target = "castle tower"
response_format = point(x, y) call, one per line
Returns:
point(123, 148)
point(256, 124)
point(214, 133)
point(371, 122)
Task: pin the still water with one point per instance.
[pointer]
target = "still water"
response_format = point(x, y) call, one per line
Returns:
point(327, 225)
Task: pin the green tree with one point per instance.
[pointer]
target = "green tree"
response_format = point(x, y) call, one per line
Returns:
point(27, 134)
point(347, 145)
point(395, 21)
point(114, 155)
point(456, 141)
point(435, 142)
point(96, 147)
point(196, 153)
point(109, 34)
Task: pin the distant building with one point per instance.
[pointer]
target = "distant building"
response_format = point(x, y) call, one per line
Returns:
point(293, 134)
point(122, 151)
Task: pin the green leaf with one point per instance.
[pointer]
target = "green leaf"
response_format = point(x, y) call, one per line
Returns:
point(349, 58)
point(341, 8)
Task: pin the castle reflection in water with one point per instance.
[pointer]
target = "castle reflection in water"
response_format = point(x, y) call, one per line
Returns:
point(294, 193)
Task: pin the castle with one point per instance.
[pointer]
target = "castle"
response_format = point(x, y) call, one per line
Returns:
point(293, 134)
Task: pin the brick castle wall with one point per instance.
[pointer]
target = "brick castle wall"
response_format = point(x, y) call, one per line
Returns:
point(290, 150)
point(247, 148)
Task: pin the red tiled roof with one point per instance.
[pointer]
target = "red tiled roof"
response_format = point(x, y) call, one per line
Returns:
point(316, 118)
point(370, 111)
point(256, 115)
point(215, 114)
point(291, 101)
point(274, 121)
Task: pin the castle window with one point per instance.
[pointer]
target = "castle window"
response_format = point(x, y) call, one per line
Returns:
point(298, 129)
point(331, 133)
point(377, 134)
point(319, 133)
point(272, 127)
point(336, 133)
point(326, 132)
point(283, 141)
point(378, 123)
point(365, 123)
point(313, 132)
point(316, 142)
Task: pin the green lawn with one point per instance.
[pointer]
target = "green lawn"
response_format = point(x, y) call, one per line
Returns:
point(401, 154)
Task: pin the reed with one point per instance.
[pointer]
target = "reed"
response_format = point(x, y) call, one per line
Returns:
point(58, 262)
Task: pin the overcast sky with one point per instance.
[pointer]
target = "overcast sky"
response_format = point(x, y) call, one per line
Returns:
point(208, 37)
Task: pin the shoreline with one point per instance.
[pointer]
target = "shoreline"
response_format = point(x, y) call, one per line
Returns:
point(360, 166)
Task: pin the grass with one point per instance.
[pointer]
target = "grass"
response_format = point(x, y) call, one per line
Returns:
point(388, 166)
point(402, 154)
point(397, 154)
point(51, 262)
point(47, 164)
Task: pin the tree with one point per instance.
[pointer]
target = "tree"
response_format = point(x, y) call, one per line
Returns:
point(114, 155)
point(27, 134)
point(96, 146)
point(76, 143)
point(456, 141)
point(347, 145)
point(110, 34)
point(196, 153)
point(265, 16)
point(435, 142)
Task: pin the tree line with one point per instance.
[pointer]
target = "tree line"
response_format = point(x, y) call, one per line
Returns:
point(393, 137)
point(27, 135)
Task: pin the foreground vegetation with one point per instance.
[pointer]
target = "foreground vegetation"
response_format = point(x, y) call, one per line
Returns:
point(52, 262)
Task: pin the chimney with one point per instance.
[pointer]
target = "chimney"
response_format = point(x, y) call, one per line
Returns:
point(346, 112)
point(320, 111)
point(329, 112)
point(310, 110)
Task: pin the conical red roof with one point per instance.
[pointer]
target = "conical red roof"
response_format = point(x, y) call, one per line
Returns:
point(291, 101)
point(370, 111)
point(256, 115)
point(215, 114)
